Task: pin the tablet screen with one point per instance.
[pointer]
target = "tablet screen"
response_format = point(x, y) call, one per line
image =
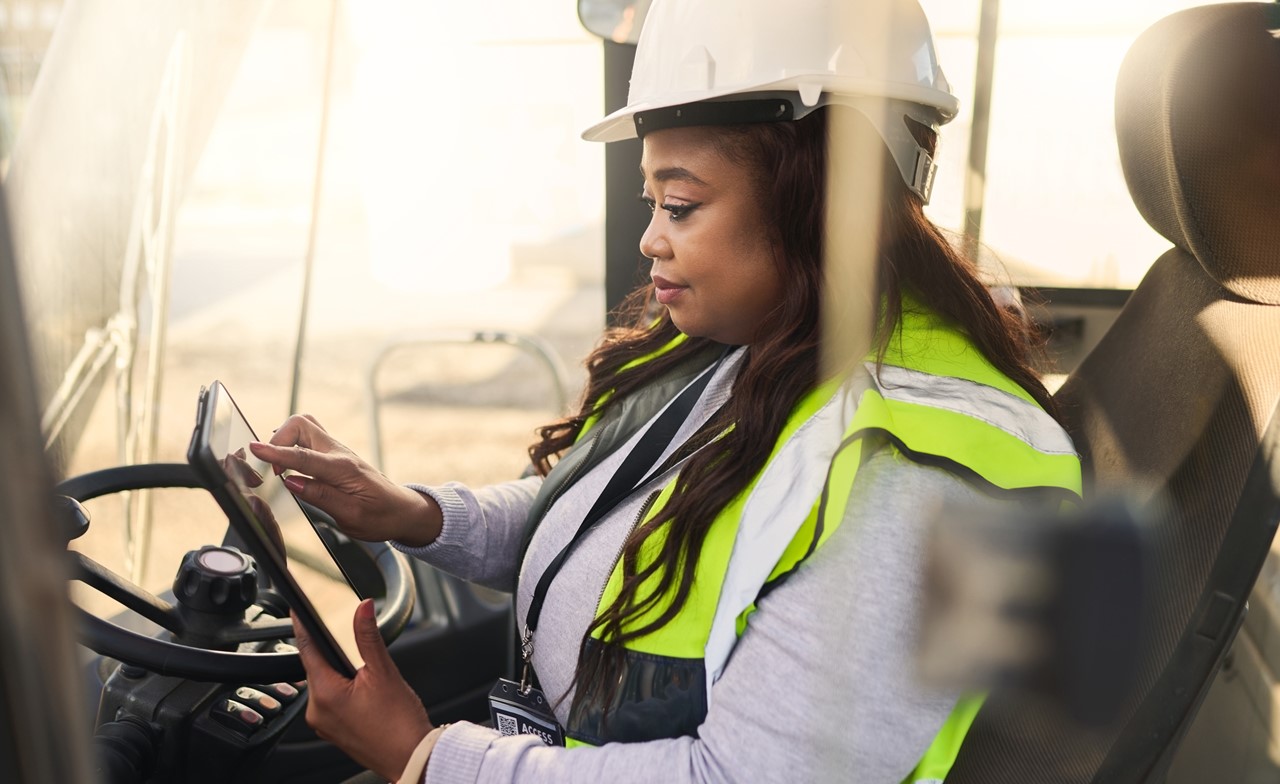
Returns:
point(306, 543)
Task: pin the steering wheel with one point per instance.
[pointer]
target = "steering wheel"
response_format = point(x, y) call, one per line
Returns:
point(166, 657)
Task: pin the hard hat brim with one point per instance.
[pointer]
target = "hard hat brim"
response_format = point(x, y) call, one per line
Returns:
point(620, 124)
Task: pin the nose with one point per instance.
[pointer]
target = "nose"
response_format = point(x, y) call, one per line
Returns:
point(653, 243)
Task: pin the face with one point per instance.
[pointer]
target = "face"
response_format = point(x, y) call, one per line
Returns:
point(713, 260)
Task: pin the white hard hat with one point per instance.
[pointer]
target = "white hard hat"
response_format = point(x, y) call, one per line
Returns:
point(757, 60)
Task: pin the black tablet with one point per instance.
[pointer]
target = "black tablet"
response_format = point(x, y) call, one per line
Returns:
point(291, 548)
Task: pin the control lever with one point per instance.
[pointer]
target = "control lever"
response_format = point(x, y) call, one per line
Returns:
point(125, 750)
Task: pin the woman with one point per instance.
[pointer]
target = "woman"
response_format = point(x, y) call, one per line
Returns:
point(718, 563)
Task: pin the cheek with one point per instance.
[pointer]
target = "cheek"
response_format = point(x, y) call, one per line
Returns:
point(754, 257)
point(751, 282)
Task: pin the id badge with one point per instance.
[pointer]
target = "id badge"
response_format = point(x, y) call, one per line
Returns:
point(523, 713)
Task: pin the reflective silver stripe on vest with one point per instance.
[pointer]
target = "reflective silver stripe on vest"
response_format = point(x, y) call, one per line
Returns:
point(1024, 421)
point(774, 512)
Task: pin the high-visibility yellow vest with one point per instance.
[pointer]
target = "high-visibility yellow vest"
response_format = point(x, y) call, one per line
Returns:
point(937, 400)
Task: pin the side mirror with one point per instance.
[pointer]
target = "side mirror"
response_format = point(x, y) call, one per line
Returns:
point(614, 20)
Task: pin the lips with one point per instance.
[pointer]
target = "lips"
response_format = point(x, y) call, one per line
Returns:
point(665, 291)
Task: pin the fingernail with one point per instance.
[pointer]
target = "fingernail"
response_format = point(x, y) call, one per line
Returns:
point(294, 483)
point(365, 610)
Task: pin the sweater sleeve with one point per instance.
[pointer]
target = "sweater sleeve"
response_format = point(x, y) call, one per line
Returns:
point(483, 529)
point(821, 685)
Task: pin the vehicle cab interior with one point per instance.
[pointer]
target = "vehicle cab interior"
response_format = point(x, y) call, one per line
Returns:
point(382, 214)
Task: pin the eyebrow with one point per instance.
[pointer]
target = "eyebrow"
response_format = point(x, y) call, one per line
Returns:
point(674, 173)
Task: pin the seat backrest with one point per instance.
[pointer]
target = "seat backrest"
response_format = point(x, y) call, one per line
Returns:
point(1172, 405)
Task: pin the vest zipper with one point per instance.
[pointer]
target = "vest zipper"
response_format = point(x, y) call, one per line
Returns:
point(644, 510)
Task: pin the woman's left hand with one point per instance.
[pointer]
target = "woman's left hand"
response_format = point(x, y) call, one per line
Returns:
point(375, 717)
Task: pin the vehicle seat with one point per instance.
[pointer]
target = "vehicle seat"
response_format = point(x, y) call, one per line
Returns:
point(1172, 407)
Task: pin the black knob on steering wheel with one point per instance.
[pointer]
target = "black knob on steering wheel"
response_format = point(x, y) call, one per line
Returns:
point(165, 657)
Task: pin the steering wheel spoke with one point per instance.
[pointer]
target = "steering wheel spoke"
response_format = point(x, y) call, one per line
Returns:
point(136, 598)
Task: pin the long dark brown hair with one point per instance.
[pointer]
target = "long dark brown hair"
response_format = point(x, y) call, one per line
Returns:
point(788, 161)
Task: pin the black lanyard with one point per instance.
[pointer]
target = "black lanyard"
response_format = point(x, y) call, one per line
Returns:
point(622, 484)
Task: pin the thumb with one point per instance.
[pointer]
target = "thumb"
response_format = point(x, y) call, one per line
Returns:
point(369, 640)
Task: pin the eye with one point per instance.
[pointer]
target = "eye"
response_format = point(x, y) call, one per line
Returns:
point(677, 211)
point(680, 211)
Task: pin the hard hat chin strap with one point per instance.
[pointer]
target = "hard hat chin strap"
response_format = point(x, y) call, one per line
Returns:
point(889, 116)
point(921, 182)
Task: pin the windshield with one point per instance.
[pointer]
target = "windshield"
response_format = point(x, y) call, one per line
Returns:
point(1056, 210)
point(167, 206)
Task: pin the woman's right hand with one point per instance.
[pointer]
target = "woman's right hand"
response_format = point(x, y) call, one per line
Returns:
point(361, 500)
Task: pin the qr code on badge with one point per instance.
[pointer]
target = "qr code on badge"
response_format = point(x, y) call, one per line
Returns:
point(507, 725)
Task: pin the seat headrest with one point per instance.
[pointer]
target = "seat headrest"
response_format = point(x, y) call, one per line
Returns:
point(1198, 125)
